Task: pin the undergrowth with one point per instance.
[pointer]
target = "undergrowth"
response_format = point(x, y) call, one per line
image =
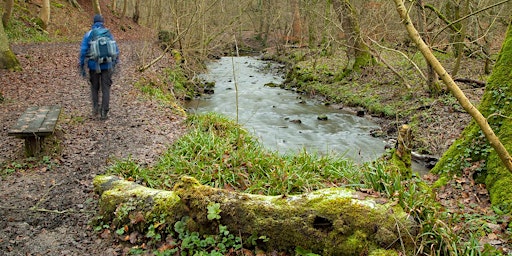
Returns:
point(220, 153)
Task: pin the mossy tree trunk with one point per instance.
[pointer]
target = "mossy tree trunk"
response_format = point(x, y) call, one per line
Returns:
point(358, 53)
point(335, 221)
point(7, 58)
point(471, 150)
point(6, 16)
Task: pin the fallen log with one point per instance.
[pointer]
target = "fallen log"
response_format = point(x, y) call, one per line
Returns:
point(333, 221)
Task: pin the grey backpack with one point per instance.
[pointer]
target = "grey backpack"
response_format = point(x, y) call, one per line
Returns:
point(102, 48)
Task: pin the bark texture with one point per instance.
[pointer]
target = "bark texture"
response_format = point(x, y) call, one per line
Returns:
point(45, 14)
point(358, 53)
point(7, 58)
point(335, 221)
point(7, 12)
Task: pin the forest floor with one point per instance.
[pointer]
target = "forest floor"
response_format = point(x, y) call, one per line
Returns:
point(46, 204)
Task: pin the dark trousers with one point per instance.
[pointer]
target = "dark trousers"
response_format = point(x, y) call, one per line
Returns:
point(103, 81)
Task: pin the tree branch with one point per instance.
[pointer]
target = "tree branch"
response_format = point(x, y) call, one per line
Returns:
point(452, 86)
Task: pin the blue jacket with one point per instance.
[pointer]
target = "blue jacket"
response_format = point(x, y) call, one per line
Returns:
point(84, 49)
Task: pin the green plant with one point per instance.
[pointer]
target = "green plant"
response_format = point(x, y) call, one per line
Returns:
point(192, 243)
point(220, 153)
point(19, 31)
point(169, 88)
point(302, 252)
point(9, 168)
point(214, 211)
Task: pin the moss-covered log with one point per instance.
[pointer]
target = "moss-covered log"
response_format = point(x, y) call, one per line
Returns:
point(335, 221)
point(473, 150)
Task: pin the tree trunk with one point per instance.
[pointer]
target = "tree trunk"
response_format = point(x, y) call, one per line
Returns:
point(358, 53)
point(7, 12)
point(471, 148)
point(114, 5)
point(335, 221)
point(458, 39)
point(296, 22)
point(7, 58)
point(403, 149)
point(136, 12)
point(96, 6)
point(432, 77)
point(123, 14)
point(45, 14)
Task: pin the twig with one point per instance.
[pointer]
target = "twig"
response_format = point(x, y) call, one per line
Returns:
point(405, 56)
point(471, 81)
point(234, 77)
point(469, 15)
point(377, 54)
point(43, 197)
point(68, 211)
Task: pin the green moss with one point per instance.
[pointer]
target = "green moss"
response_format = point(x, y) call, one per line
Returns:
point(355, 243)
point(120, 198)
point(336, 220)
point(498, 177)
point(9, 61)
point(402, 164)
point(441, 182)
point(382, 252)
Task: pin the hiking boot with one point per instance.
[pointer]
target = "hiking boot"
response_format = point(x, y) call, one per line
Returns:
point(95, 111)
point(103, 115)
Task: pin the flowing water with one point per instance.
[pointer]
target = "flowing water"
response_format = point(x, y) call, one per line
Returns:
point(284, 120)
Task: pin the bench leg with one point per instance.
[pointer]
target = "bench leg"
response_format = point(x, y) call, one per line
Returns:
point(33, 145)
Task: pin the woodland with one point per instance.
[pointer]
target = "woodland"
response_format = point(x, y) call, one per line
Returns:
point(434, 74)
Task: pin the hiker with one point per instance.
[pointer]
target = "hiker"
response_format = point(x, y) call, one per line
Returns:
point(101, 62)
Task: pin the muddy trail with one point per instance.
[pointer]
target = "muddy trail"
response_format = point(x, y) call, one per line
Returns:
point(47, 203)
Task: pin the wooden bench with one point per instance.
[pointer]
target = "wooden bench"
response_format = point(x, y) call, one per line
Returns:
point(34, 125)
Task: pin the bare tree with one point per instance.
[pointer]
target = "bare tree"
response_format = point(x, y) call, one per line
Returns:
point(296, 22)
point(123, 14)
point(96, 6)
point(432, 77)
point(358, 53)
point(7, 12)
point(44, 15)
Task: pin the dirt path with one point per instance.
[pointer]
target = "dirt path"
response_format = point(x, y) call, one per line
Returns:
point(45, 208)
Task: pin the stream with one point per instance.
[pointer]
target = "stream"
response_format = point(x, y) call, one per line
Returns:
point(283, 120)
